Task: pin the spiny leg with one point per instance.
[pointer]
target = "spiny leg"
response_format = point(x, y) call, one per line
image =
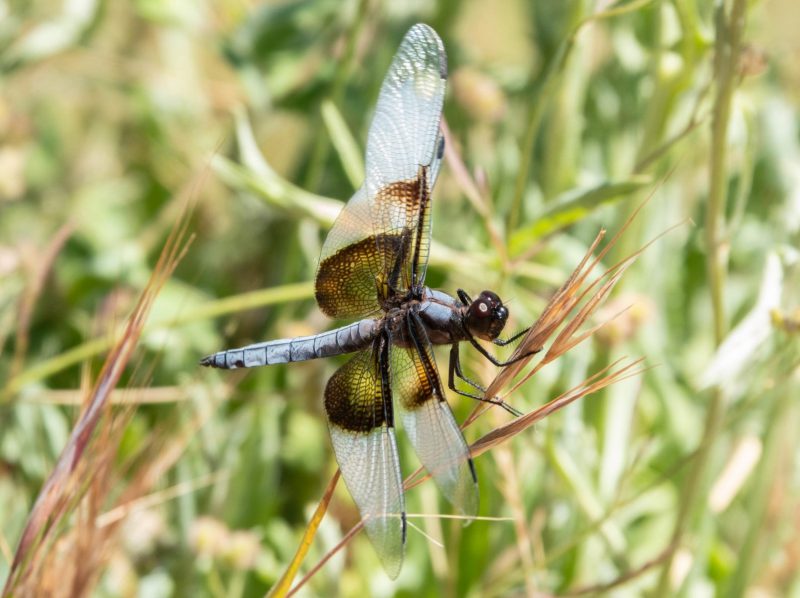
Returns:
point(493, 359)
point(455, 357)
point(502, 343)
point(462, 295)
point(454, 369)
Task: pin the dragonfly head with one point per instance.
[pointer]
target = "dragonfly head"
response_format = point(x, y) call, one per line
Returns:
point(486, 316)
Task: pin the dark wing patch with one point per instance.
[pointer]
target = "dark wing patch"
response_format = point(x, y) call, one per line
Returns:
point(358, 405)
point(355, 398)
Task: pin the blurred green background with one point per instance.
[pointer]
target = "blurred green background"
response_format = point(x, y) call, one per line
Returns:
point(568, 115)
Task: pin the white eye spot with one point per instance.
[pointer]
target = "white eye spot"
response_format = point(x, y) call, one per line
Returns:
point(483, 308)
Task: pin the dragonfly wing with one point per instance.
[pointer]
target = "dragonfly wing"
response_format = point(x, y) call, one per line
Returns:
point(358, 406)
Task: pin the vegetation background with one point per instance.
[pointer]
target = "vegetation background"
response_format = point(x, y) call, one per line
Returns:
point(567, 116)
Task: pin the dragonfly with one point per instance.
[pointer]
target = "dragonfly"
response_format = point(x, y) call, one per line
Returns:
point(372, 270)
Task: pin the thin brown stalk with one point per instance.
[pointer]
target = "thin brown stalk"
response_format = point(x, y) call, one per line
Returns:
point(40, 271)
point(591, 385)
point(342, 543)
point(557, 309)
point(77, 467)
point(563, 302)
point(148, 501)
point(478, 198)
point(567, 339)
point(600, 589)
point(155, 395)
point(284, 585)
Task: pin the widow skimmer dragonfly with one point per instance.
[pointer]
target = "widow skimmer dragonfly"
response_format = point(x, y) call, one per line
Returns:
point(372, 267)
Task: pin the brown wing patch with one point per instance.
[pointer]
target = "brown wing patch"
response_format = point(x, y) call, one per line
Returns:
point(412, 386)
point(415, 377)
point(347, 283)
point(398, 200)
point(398, 208)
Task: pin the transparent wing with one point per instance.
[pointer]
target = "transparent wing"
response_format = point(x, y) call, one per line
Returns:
point(429, 422)
point(404, 144)
point(383, 233)
point(358, 406)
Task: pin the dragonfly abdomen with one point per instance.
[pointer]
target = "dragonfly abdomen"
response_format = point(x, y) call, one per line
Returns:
point(346, 339)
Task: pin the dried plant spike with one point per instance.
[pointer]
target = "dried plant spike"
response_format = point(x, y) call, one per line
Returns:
point(77, 467)
point(561, 304)
point(596, 382)
point(555, 312)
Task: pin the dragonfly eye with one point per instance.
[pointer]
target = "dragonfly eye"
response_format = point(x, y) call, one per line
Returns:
point(487, 316)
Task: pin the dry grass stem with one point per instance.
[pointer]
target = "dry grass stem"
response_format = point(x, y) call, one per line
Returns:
point(342, 543)
point(121, 396)
point(83, 470)
point(599, 589)
point(475, 193)
point(283, 586)
point(591, 385)
point(148, 501)
point(511, 491)
point(42, 265)
point(558, 309)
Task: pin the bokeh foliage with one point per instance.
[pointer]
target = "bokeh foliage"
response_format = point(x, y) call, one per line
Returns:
point(567, 115)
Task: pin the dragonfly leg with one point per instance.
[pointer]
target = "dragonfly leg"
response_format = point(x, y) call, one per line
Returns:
point(503, 342)
point(454, 370)
point(462, 295)
point(494, 359)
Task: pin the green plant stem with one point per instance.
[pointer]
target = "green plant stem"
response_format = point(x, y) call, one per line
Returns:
point(691, 491)
point(577, 20)
point(726, 63)
point(777, 436)
point(726, 60)
point(538, 106)
point(343, 69)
